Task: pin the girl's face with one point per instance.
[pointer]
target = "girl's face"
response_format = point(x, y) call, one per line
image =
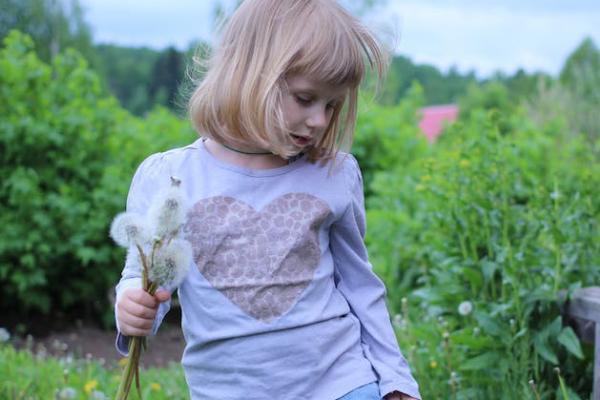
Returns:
point(308, 106)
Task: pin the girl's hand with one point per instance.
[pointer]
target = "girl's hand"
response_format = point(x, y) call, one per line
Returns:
point(398, 396)
point(136, 310)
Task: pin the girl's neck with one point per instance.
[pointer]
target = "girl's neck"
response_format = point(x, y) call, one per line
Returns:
point(239, 157)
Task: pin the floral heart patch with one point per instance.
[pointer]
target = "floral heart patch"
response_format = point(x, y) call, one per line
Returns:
point(260, 260)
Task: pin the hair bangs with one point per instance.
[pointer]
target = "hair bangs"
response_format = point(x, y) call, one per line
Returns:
point(330, 51)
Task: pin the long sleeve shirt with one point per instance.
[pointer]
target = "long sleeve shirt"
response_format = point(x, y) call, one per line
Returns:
point(281, 300)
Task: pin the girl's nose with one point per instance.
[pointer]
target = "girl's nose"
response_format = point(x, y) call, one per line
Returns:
point(318, 118)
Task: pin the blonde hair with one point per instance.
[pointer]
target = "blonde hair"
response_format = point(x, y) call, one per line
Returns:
point(239, 100)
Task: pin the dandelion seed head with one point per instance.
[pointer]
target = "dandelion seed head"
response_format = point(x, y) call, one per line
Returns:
point(465, 308)
point(67, 393)
point(4, 335)
point(167, 211)
point(128, 229)
point(171, 264)
point(397, 321)
point(98, 395)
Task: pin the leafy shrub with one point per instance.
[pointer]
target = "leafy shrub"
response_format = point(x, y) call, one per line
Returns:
point(501, 215)
point(388, 135)
point(68, 152)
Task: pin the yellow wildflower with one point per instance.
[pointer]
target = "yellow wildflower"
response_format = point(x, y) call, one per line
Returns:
point(90, 385)
point(433, 364)
point(155, 386)
point(123, 362)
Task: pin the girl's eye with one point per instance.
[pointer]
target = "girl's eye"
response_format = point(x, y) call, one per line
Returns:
point(303, 100)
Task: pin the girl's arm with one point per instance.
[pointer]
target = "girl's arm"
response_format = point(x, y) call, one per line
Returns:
point(365, 293)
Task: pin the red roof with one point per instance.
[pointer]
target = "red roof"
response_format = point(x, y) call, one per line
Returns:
point(433, 118)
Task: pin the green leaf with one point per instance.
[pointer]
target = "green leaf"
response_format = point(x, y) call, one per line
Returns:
point(488, 268)
point(483, 361)
point(473, 276)
point(570, 341)
point(554, 328)
point(489, 325)
point(541, 347)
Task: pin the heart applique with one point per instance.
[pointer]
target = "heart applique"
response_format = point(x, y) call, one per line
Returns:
point(260, 260)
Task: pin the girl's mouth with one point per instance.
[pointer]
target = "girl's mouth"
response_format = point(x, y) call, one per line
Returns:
point(300, 140)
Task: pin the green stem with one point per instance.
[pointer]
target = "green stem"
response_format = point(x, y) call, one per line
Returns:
point(557, 253)
point(130, 368)
point(145, 266)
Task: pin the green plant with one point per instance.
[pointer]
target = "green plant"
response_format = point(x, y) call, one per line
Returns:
point(27, 375)
point(503, 215)
point(68, 152)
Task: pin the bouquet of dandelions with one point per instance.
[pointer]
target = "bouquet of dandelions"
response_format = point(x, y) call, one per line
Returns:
point(163, 254)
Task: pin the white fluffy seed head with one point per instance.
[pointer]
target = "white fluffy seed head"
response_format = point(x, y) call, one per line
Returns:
point(67, 393)
point(465, 308)
point(167, 211)
point(171, 264)
point(4, 335)
point(128, 229)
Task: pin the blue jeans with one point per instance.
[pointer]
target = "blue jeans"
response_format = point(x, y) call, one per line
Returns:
point(365, 392)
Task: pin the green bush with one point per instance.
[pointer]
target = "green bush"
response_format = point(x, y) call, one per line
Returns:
point(68, 152)
point(504, 216)
point(388, 135)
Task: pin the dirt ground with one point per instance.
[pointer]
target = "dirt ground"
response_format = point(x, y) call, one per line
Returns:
point(85, 340)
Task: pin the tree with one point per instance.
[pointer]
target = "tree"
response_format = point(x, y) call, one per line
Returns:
point(167, 75)
point(52, 24)
point(581, 71)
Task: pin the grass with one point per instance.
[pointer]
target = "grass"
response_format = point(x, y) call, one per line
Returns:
point(26, 376)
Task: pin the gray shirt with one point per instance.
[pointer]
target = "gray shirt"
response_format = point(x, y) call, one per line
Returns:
point(281, 301)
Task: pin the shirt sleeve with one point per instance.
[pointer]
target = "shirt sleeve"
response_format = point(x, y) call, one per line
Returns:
point(152, 174)
point(365, 292)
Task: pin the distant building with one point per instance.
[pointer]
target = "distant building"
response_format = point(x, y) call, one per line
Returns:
point(433, 118)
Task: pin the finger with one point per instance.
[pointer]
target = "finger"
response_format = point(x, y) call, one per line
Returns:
point(137, 310)
point(134, 321)
point(162, 295)
point(142, 297)
point(131, 331)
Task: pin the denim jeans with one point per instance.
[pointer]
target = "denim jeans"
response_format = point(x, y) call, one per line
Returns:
point(365, 392)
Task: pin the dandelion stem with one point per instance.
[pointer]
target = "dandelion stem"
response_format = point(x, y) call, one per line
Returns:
point(130, 368)
point(144, 265)
point(137, 379)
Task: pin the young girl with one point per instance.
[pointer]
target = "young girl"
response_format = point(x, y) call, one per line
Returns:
point(281, 302)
